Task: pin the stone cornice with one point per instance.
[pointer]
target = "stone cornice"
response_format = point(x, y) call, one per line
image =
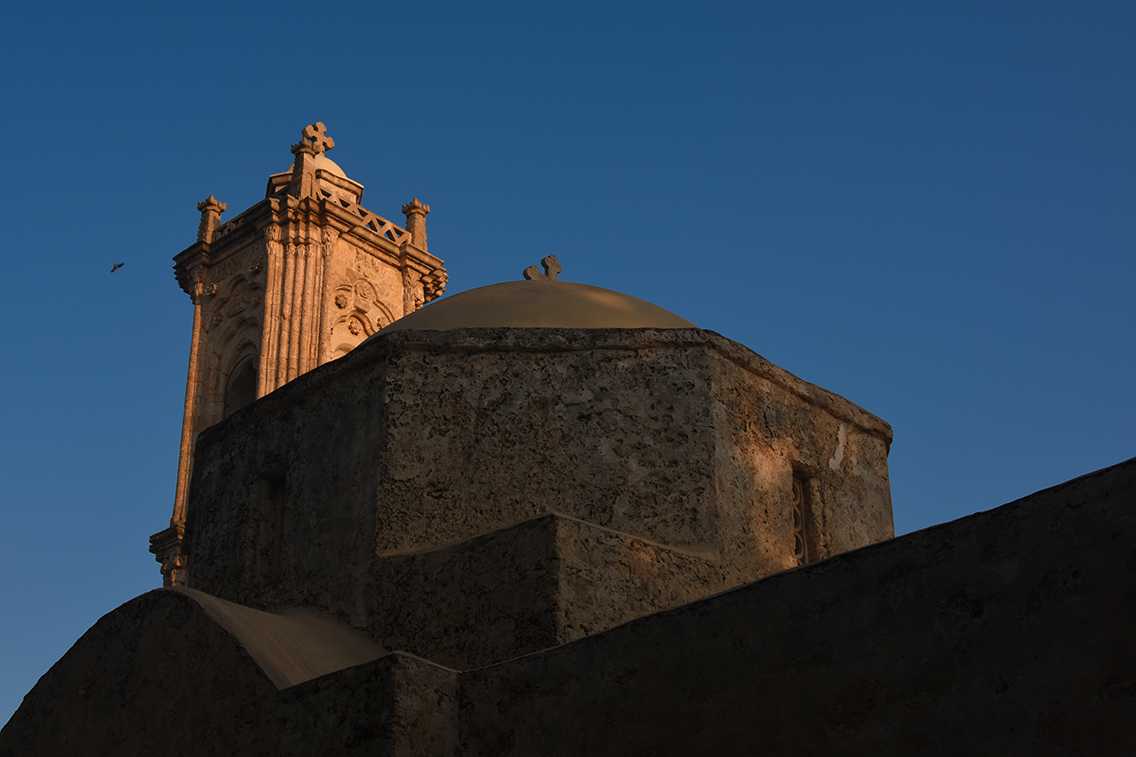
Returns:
point(380, 347)
point(575, 340)
point(230, 236)
point(187, 263)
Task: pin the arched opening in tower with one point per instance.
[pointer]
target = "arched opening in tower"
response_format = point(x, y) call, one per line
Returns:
point(240, 388)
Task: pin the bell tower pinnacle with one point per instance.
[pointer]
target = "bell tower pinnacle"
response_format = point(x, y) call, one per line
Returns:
point(295, 281)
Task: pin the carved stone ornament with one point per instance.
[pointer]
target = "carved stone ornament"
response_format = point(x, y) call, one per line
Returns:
point(168, 546)
point(364, 291)
point(211, 211)
point(329, 238)
point(241, 299)
point(314, 140)
point(234, 264)
point(551, 266)
point(341, 301)
point(415, 207)
point(434, 284)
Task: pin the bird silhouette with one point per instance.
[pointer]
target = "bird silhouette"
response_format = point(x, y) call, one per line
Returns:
point(117, 266)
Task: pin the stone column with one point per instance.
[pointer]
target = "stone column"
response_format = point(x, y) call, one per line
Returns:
point(287, 295)
point(168, 545)
point(329, 238)
point(309, 316)
point(299, 258)
point(270, 328)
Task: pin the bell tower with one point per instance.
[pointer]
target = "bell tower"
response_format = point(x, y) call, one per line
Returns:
point(295, 281)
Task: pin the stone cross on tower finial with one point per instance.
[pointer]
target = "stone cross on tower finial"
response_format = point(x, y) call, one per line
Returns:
point(314, 140)
point(551, 270)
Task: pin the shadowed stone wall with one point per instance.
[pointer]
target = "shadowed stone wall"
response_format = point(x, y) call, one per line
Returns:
point(526, 587)
point(417, 440)
point(1007, 632)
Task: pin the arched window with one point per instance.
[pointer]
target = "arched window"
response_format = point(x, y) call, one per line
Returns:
point(240, 387)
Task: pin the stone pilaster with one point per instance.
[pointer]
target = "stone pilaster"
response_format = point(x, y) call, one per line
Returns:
point(330, 237)
point(168, 546)
point(269, 340)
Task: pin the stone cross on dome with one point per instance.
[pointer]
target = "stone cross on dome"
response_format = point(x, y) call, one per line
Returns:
point(552, 269)
point(314, 140)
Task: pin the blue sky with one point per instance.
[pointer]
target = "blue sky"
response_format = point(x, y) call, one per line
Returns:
point(928, 208)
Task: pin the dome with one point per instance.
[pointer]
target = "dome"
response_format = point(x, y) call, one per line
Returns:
point(539, 304)
point(322, 162)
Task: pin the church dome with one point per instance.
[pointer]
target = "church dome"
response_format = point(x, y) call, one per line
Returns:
point(322, 162)
point(539, 304)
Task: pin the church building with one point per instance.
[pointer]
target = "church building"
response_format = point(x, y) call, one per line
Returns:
point(547, 518)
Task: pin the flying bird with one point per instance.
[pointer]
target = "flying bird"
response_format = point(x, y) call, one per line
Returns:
point(117, 266)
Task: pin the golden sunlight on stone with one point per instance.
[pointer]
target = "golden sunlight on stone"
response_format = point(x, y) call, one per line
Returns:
point(540, 304)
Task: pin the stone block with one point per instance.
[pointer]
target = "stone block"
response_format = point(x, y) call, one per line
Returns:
point(529, 586)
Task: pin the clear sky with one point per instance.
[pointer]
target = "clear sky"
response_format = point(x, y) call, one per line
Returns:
point(928, 208)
